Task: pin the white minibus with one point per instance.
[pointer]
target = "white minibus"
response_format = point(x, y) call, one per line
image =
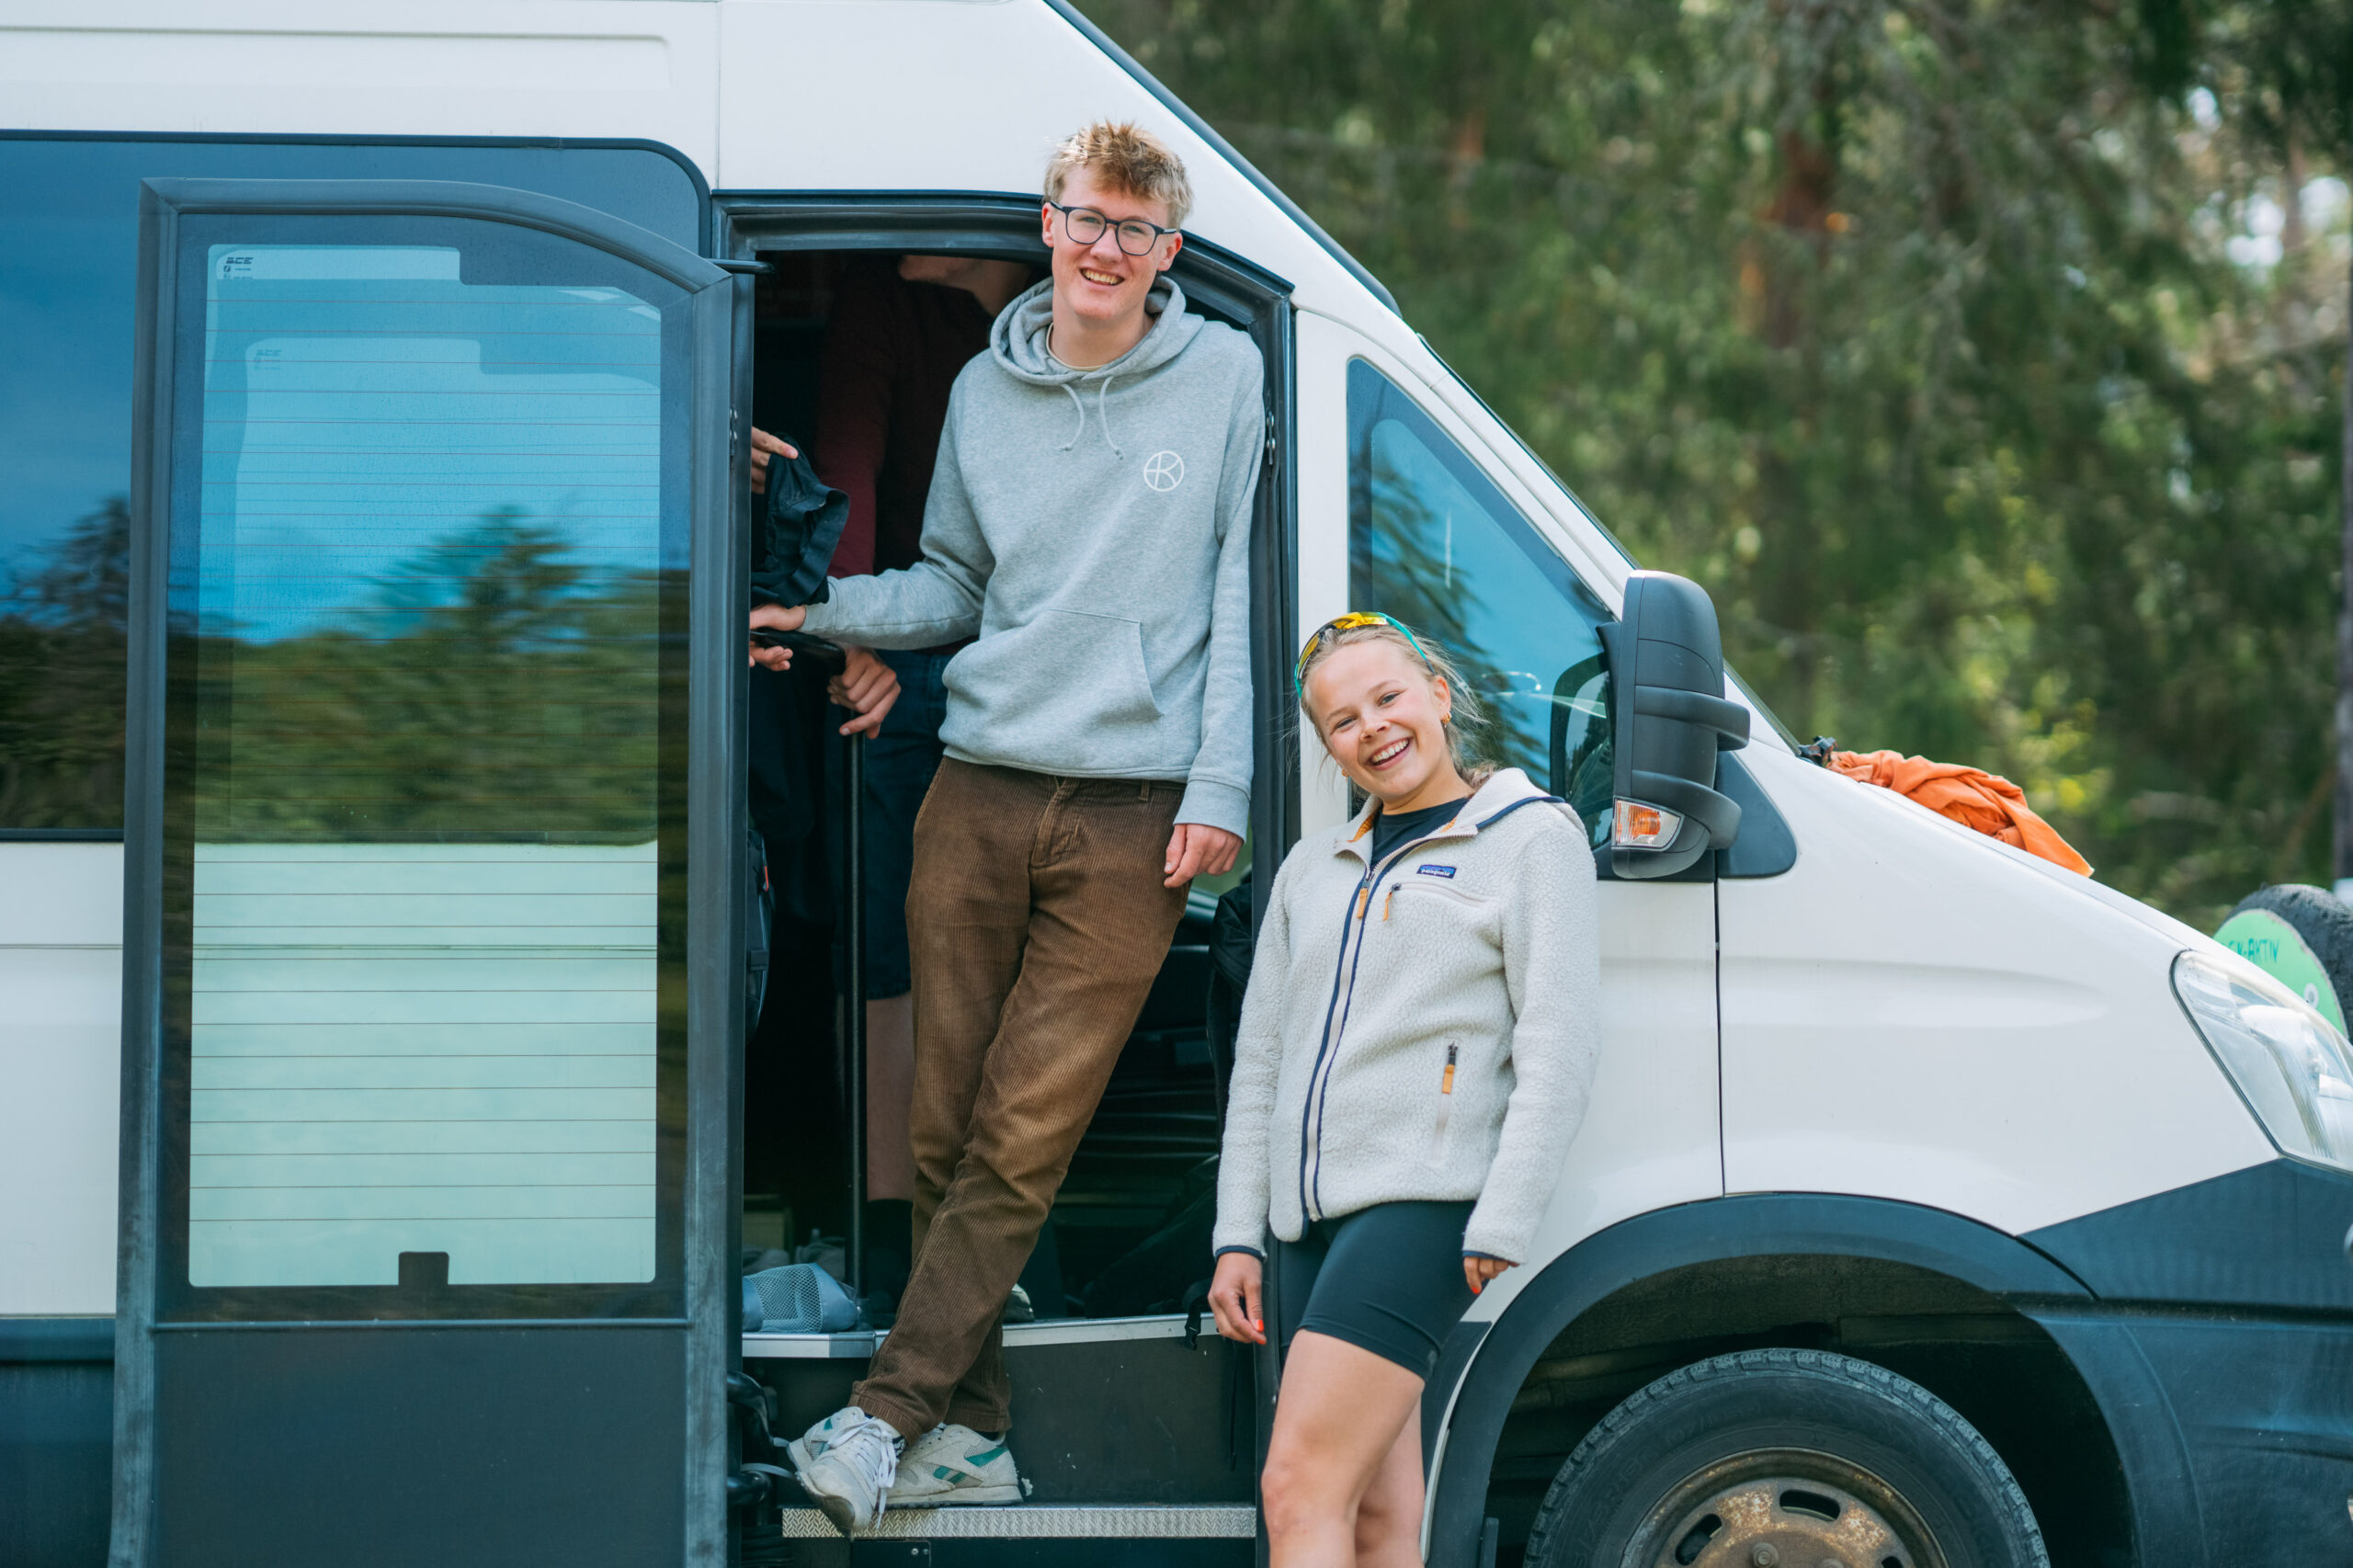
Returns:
point(383, 1138)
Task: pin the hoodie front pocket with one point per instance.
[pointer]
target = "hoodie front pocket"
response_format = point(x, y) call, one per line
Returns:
point(1099, 656)
point(1065, 690)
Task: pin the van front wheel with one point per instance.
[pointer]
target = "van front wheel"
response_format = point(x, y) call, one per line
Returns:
point(1797, 1458)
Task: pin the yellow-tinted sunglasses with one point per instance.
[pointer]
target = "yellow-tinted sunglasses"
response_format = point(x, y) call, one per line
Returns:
point(1349, 623)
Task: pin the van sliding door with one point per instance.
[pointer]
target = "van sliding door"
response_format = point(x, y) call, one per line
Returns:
point(435, 782)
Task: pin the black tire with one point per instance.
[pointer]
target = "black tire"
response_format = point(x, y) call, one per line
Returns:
point(2321, 918)
point(1793, 1442)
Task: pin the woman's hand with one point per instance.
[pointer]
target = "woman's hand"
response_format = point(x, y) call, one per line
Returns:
point(866, 684)
point(1482, 1272)
point(1234, 1298)
point(777, 618)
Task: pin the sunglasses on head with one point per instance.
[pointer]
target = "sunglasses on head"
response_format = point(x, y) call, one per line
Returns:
point(1351, 622)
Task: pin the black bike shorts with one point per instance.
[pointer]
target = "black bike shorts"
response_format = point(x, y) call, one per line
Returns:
point(1388, 1279)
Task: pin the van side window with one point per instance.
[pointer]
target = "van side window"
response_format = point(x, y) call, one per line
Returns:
point(69, 268)
point(426, 593)
point(1432, 541)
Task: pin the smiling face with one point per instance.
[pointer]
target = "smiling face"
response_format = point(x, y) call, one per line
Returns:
point(1382, 716)
point(1102, 286)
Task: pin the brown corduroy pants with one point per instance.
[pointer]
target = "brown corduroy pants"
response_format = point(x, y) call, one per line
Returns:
point(1036, 921)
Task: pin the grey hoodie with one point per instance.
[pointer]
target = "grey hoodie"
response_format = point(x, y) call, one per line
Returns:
point(1092, 528)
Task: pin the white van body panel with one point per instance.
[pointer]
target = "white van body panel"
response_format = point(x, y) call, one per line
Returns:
point(61, 1054)
point(535, 68)
point(1650, 1134)
point(759, 95)
point(813, 96)
point(1918, 1012)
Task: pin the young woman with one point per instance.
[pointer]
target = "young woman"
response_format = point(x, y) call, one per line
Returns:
point(1414, 1053)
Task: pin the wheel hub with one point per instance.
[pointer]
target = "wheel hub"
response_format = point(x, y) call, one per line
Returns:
point(1787, 1509)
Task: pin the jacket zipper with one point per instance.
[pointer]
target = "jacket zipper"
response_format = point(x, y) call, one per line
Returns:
point(1336, 1020)
point(1336, 1024)
point(1445, 1104)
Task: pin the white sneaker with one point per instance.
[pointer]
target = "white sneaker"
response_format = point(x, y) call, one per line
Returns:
point(803, 1450)
point(854, 1459)
point(951, 1465)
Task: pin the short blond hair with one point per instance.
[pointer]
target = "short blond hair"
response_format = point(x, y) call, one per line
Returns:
point(1128, 158)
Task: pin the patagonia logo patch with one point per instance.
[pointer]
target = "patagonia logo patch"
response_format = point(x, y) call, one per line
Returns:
point(1435, 871)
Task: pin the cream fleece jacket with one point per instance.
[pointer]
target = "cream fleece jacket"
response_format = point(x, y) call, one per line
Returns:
point(1423, 1029)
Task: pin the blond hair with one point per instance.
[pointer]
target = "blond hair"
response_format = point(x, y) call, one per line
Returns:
point(1127, 158)
point(1468, 713)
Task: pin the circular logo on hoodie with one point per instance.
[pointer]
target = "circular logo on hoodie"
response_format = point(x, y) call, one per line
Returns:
point(1163, 471)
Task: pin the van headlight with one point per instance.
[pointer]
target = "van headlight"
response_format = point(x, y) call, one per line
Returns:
point(2291, 1066)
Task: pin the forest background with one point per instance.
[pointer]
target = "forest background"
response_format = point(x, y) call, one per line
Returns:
point(1983, 358)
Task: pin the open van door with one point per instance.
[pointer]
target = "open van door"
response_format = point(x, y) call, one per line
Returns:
point(433, 965)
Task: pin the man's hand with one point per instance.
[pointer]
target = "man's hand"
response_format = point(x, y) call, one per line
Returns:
point(762, 445)
point(1199, 850)
point(1481, 1271)
point(777, 617)
point(867, 685)
point(1234, 1295)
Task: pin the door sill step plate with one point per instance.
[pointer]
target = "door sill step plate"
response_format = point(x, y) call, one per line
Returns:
point(1145, 1521)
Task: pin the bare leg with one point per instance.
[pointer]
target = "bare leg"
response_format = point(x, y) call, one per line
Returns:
point(1389, 1517)
point(1337, 1427)
point(889, 1085)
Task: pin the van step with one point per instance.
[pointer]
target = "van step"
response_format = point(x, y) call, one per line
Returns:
point(1151, 1521)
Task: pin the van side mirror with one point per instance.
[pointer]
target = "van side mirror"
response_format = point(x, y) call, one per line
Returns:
point(1670, 718)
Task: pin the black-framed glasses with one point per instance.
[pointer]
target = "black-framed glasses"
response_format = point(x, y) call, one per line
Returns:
point(1085, 226)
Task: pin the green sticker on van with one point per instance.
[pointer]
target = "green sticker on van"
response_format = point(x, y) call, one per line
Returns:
point(2273, 946)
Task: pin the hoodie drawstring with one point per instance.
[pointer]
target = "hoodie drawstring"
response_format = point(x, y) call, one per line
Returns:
point(1102, 415)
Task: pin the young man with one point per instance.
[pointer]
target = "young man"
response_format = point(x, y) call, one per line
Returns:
point(1088, 525)
point(899, 330)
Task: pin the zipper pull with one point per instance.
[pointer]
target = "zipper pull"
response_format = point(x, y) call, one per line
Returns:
point(1364, 894)
point(1446, 1085)
point(1390, 902)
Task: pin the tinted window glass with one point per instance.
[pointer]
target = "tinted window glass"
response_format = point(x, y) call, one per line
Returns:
point(425, 537)
point(68, 277)
point(1432, 541)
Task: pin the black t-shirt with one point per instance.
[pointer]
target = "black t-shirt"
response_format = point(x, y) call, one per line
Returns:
point(1391, 829)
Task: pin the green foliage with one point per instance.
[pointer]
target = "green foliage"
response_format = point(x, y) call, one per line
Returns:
point(61, 683)
point(1907, 328)
point(498, 692)
point(493, 689)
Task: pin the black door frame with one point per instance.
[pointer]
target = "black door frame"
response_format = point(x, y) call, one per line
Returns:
point(714, 902)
